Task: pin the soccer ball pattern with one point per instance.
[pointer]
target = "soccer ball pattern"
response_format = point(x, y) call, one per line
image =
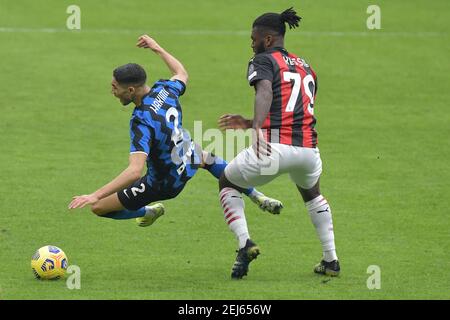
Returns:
point(49, 263)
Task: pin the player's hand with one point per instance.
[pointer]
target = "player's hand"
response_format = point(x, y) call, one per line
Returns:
point(81, 201)
point(146, 41)
point(261, 147)
point(233, 121)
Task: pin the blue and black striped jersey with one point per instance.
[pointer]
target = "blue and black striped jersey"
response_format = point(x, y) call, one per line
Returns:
point(156, 129)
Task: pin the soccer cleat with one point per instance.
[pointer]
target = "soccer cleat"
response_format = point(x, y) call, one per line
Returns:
point(331, 269)
point(267, 204)
point(243, 259)
point(153, 212)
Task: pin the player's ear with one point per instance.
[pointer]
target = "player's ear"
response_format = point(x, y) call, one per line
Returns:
point(268, 40)
point(131, 90)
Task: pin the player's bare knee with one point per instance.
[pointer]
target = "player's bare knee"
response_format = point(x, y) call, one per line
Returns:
point(204, 156)
point(309, 194)
point(208, 158)
point(97, 209)
point(225, 183)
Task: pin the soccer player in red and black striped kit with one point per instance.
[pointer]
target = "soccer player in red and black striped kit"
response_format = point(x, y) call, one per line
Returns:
point(285, 140)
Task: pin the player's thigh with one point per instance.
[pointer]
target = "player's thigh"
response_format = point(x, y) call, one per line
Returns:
point(246, 170)
point(139, 194)
point(305, 167)
point(109, 204)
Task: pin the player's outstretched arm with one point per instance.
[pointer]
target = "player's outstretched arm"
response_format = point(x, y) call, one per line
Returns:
point(234, 121)
point(123, 180)
point(176, 68)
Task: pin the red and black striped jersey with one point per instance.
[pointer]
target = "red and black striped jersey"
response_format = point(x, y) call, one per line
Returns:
point(294, 84)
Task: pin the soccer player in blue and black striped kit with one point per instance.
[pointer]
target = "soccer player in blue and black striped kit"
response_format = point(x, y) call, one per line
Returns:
point(159, 141)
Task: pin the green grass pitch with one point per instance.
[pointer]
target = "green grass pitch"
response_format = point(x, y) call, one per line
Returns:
point(383, 123)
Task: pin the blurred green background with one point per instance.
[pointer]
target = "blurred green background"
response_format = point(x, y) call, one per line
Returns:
point(383, 123)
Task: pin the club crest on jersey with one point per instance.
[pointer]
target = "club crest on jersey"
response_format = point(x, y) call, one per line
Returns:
point(295, 62)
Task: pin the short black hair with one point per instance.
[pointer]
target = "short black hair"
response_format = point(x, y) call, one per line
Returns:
point(276, 21)
point(130, 74)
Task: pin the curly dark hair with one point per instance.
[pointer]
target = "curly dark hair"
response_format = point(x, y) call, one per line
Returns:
point(276, 21)
point(130, 74)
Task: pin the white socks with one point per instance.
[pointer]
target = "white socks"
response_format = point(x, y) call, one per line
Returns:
point(320, 213)
point(233, 210)
point(318, 208)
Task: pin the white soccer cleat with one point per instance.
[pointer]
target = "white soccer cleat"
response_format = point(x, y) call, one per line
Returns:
point(265, 203)
point(153, 212)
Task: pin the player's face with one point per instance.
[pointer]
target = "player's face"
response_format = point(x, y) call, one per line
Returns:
point(124, 94)
point(257, 41)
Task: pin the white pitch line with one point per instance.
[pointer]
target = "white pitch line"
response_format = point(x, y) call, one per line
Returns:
point(380, 33)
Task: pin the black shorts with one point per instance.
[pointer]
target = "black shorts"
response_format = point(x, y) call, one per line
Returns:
point(140, 194)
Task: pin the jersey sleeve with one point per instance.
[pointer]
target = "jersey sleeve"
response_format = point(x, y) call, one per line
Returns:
point(259, 68)
point(315, 80)
point(177, 87)
point(141, 136)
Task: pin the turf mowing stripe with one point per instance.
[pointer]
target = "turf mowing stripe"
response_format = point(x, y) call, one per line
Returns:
point(228, 32)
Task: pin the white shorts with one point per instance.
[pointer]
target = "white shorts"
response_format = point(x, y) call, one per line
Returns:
point(303, 165)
